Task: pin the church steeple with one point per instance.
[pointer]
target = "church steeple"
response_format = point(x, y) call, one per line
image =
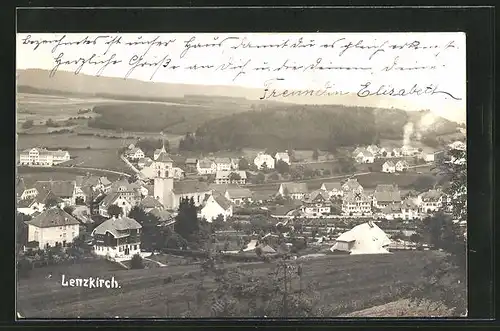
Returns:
point(163, 150)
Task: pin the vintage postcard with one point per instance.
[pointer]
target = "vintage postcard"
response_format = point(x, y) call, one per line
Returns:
point(241, 175)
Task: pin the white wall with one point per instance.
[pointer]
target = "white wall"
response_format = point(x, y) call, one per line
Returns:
point(53, 234)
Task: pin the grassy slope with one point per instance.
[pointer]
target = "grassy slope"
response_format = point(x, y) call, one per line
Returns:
point(346, 283)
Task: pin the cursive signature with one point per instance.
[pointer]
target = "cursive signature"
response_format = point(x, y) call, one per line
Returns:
point(389, 90)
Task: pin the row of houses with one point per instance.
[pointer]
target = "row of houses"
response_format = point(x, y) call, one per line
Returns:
point(391, 167)
point(372, 152)
point(43, 157)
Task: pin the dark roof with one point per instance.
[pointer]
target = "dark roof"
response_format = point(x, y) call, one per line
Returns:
point(221, 188)
point(25, 203)
point(388, 196)
point(150, 202)
point(317, 195)
point(113, 225)
point(409, 204)
point(109, 199)
point(237, 193)
point(392, 208)
point(20, 186)
point(431, 195)
point(291, 188)
point(222, 201)
point(53, 217)
point(386, 188)
point(164, 157)
point(123, 183)
point(355, 197)
point(191, 160)
point(162, 214)
point(190, 186)
point(61, 188)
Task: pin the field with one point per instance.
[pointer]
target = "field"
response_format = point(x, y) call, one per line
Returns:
point(346, 284)
point(403, 180)
point(43, 174)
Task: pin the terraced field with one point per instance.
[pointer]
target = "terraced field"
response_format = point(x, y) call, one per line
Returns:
point(346, 284)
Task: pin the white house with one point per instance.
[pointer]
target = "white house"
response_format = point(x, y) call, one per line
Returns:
point(149, 203)
point(38, 203)
point(231, 177)
point(355, 203)
point(51, 227)
point(352, 185)
point(401, 165)
point(333, 189)
point(114, 199)
point(144, 162)
point(239, 195)
point(365, 157)
point(223, 164)
point(206, 167)
point(392, 211)
point(409, 209)
point(388, 167)
point(264, 159)
point(283, 157)
point(397, 152)
point(374, 149)
point(43, 157)
point(430, 201)
point(23, 191)
point(216, 205)
point(296, 191)
point(317, 204)
point(117, 238)
point(428, 157)
point(135, 153)
point(366, 238)
point(461, 146)
point(409, 151)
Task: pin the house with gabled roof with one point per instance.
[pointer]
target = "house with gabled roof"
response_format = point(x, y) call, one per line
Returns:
point(216, 205)
point(374, 149)
point(264, 160)
point(117, 237)
point(134, 154)
point(316, 203)
point(52, 227)
point(62, 189)
point(431, 201)
point(149, 203)
point(223, 164)
point(389, 167)
point(402, 165)
point(392, 211)
point(352, 185)
point(280, 156)
point(365, 157)
point(409, 209)
point(334, 189)
point(296, 191)
point(366, 238)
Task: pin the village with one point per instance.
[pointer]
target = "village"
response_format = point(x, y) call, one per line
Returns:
point(100, 210)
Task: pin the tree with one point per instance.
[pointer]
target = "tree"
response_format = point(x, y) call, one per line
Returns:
point(151, 238)
point(187, 224)
point(282, 167)
point(315, 155)
point(446, 278)
point(115, 210)
point(384, 154)
point(423, 183)
point(136, 262)
point(234, 176)
point(260, 178)
point(243, 164)
point(258, 251)
point(175, 241)
point(50, 123)
point(218, 223)
point(27, 124)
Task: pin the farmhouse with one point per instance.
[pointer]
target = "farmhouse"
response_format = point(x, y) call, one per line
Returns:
point(36, 204)
point(24, 191)
point(365, 157)
point(352, 185)
point(52, 227)
point(263, 160)
point(317, 204)
point(392, 211)
point(402, 165)
point(388, 167)
point(43, 157)
point(283, 157)
point(231, 177)
point(239, 196)
point(333, 189)
point(206, 167)
point(366, 238)
point(431, 201)
point(134, 154)
point(89, 186)
point(295, 191)
point(386, 194)
point(354, 203)
point(144, 162)
point(216, 205)
point(117, 238)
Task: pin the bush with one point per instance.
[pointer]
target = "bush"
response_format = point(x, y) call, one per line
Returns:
point(136, 262)
point(27, 124)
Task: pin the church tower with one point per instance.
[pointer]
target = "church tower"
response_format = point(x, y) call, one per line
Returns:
point(163, 180)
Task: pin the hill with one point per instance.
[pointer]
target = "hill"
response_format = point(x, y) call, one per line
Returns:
point(311, 126)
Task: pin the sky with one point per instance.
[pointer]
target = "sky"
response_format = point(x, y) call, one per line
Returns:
point(322, 61)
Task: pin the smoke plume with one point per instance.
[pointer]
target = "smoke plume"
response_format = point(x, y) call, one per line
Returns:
point(407, 132)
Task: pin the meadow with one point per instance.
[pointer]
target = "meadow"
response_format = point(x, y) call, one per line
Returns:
point(345, 283)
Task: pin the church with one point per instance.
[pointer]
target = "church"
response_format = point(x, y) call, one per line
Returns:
point(169, 192)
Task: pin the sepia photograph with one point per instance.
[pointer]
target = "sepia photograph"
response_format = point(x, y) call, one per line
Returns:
point(241, 175)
